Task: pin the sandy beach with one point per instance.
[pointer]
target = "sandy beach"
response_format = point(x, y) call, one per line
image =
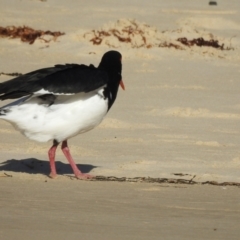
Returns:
point(90, 210)
point(179, 118)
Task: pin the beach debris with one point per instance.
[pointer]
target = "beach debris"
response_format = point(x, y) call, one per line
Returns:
point(128, 32)
point(28, 34)
point(170, 45)
point(14, 74)
point(162, 180)
point(201, 42)
point(5, 175)
point(182, 174)
point(131, 33)
point(212, 3)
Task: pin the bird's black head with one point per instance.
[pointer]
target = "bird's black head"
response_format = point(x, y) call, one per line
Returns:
point(111, 61)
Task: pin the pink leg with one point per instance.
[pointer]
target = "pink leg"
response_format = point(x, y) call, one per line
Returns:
point(51, 155)
point(75, 169)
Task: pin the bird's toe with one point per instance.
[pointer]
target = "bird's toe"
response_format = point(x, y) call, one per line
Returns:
point(83, 176)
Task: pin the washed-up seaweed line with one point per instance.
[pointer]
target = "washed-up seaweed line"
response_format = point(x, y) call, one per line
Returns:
point(14, 74)
point(152, 180)
point(28, 34)
point(162, 180)
point(201, 42)
point(127, 34)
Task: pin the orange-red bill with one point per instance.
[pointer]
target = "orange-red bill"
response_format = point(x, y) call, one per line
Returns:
point(122, 84)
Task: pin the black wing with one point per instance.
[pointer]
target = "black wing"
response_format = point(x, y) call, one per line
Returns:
point(60, 79)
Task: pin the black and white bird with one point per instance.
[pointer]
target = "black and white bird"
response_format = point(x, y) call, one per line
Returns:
point(57, 103)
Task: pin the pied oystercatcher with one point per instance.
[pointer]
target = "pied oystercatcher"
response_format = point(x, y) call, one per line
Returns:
point(59, 102)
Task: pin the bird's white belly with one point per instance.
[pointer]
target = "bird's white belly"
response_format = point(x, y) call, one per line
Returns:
point(67, 117)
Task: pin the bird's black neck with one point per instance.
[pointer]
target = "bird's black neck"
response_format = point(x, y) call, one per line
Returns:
point(111, 90)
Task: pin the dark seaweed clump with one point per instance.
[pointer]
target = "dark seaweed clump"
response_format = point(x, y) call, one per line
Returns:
point(28, 34)
point(201, 42)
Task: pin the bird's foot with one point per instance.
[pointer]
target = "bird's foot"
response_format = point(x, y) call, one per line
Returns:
point(83, 176)
point(52, 175)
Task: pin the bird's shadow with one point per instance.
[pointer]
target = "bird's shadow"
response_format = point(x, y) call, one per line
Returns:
point(36, 166)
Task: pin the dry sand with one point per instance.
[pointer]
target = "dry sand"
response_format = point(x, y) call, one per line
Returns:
point(180, 112)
